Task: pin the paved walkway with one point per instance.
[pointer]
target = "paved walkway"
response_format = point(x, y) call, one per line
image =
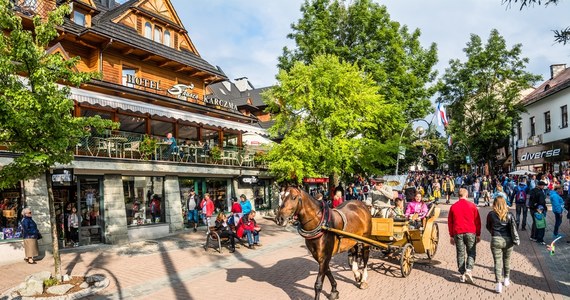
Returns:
point(177, 267)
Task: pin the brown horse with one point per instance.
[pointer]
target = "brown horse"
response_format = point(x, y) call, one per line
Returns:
point(351, 216)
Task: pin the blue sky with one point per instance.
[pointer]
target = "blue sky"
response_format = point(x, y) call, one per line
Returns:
point(245, 37)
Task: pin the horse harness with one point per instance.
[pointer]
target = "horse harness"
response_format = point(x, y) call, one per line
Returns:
point(325, 221)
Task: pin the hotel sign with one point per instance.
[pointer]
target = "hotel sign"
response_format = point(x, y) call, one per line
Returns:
point(147, 83)
point(221, 103)
point(183, 91)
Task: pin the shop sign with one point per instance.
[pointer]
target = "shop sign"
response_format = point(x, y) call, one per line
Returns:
point(183, 91)
point(62, 175)
point(147, 83)
point(552, 152)
point(221, 103)
point(250, 180)
point(315, 180)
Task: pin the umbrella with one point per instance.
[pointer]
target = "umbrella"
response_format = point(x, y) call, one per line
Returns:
point(522, 172)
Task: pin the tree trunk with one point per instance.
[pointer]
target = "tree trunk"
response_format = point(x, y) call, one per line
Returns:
point(54, 235)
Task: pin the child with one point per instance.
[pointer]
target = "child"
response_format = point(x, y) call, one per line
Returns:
point(73, 223)
point(399, 208)
point(540, 221)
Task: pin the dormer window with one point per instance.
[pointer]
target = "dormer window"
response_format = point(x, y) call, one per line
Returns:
point(167, 38)
point(79, 18)
point(158, 34)
point(148, 30)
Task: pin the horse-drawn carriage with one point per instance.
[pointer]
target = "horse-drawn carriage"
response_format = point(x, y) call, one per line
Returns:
point(396, 236)
point(350, 228)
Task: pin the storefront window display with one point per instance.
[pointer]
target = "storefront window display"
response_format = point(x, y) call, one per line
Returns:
point(262, 195)
point(144, 200)
point(10, 209)
point(91, 205)
point(218, 188)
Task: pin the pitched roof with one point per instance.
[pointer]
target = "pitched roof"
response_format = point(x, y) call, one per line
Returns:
point(549, 87)
point(103, 25)
point(220, 90)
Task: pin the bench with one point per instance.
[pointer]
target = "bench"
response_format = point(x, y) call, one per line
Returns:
point(213, 237)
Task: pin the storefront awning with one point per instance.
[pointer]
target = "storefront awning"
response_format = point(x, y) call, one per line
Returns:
point(95, 98)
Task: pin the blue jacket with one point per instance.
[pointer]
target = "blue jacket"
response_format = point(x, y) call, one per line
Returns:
point(245, 207)
point(29, 228)
point(556, 201)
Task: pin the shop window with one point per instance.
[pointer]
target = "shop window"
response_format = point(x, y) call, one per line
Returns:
point(157, 34)
point(144, 200)
point(167, 38)
point(148, 30)
point(218, 188)
point(79, 18)
point(10, 213)
point(126, 73)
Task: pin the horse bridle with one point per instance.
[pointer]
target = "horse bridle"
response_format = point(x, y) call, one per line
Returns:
point(318, 231)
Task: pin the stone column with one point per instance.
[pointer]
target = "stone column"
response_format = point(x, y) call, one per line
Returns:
point(173, 204)
point(35, 191)
point(116, 231)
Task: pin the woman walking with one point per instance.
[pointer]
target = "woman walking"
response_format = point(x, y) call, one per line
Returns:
point(502, 226)
point(31, 235)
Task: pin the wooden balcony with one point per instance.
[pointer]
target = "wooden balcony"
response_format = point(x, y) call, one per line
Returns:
point(31, 8)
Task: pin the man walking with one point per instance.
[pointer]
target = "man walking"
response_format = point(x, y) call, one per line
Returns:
point(464, 225)
point(448, 187)
point(537, 198)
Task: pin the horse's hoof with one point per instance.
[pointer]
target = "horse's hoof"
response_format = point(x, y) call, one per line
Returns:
point(363, 285)
point(333, 295)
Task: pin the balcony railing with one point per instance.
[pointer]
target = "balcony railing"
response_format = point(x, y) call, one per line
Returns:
point(32, 7)
point(132, 146)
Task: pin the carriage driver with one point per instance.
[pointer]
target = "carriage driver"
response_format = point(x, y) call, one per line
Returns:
point(379, 198)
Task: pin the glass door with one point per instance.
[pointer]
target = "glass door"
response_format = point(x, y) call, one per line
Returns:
point(90, 205)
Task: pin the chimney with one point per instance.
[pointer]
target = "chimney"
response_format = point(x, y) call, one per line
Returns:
point(243, 84)
point(555, 70)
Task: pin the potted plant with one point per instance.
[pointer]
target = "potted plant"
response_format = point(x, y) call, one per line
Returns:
point(147, 147)
point(215, 154)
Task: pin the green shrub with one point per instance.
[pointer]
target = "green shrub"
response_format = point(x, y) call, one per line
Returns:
point(50, 282)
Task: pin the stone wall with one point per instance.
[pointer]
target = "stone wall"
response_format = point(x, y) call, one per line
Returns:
point(35, 191)
point(115, 212)
point(173, 204)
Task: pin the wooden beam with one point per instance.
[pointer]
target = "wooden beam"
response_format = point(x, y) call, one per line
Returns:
point(183, 68)
point(164, 64)
point(129, 51)
point(148, 57)
point(85, 44)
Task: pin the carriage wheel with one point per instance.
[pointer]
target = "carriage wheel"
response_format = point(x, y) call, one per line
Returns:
point(434, 240)
point(406, 259)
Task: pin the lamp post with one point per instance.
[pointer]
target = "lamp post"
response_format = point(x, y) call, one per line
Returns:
point(419, 130)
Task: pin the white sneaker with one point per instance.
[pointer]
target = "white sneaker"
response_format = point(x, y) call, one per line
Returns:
point(469, 277)
point(507, 282)
point(462, 278)
point(499, 288)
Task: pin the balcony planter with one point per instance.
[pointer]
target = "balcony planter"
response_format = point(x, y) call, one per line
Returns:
point(147, 147)
point(215, 154)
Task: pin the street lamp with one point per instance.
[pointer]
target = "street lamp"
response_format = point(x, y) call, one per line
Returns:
point(419, 130)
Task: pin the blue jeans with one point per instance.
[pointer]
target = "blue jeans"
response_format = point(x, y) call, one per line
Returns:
point(476, 196)
point(192, 216)
point(252, 237)
point(521, 208)
point(465, 244)
point(557, 222)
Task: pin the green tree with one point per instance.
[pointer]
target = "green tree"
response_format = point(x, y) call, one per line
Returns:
point(322, 109)
point(483, 94)
point(560, 35)
point(362, 32)
point(36, 123)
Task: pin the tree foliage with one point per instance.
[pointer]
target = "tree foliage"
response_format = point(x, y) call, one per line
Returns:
point(322, 109)
point(362, 32)
point(560, 35)
point(483, 94)
point(36, 121)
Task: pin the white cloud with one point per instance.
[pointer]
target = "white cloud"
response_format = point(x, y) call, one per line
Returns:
point(245, 37)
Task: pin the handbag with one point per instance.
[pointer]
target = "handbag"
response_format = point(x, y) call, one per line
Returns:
point(514, 233)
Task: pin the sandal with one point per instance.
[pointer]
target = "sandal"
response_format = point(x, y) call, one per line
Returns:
point(31, 261)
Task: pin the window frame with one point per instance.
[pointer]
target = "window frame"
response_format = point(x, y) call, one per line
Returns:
point(84, 14)
point(157, 29)
point(532, 126)
point(166, 41)
point(564, 116)
point(124, 77)
point(547, 122)
point(148, 30)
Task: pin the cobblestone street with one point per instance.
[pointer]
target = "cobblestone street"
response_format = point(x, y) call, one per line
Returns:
point(177, 267)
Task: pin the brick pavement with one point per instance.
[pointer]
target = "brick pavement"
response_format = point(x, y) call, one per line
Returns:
point(177, 267)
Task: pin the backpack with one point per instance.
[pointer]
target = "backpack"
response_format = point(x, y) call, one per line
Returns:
point(520, 196)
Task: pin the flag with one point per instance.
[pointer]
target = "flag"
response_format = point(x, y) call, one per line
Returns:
point(449, 141)
point(441, 115)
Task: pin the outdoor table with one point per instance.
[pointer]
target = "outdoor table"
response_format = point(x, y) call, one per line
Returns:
point(161, 147)
point(116, 143)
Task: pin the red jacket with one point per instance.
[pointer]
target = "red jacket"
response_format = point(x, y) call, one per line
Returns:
point(236, 208)
point(245, 224)
point(209, 207)
point(464, 218)
point(337, 201)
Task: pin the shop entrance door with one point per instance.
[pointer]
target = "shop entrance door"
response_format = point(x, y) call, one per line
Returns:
point(90, 202)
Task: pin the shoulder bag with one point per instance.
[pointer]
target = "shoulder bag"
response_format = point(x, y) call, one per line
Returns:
point(514, 232)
